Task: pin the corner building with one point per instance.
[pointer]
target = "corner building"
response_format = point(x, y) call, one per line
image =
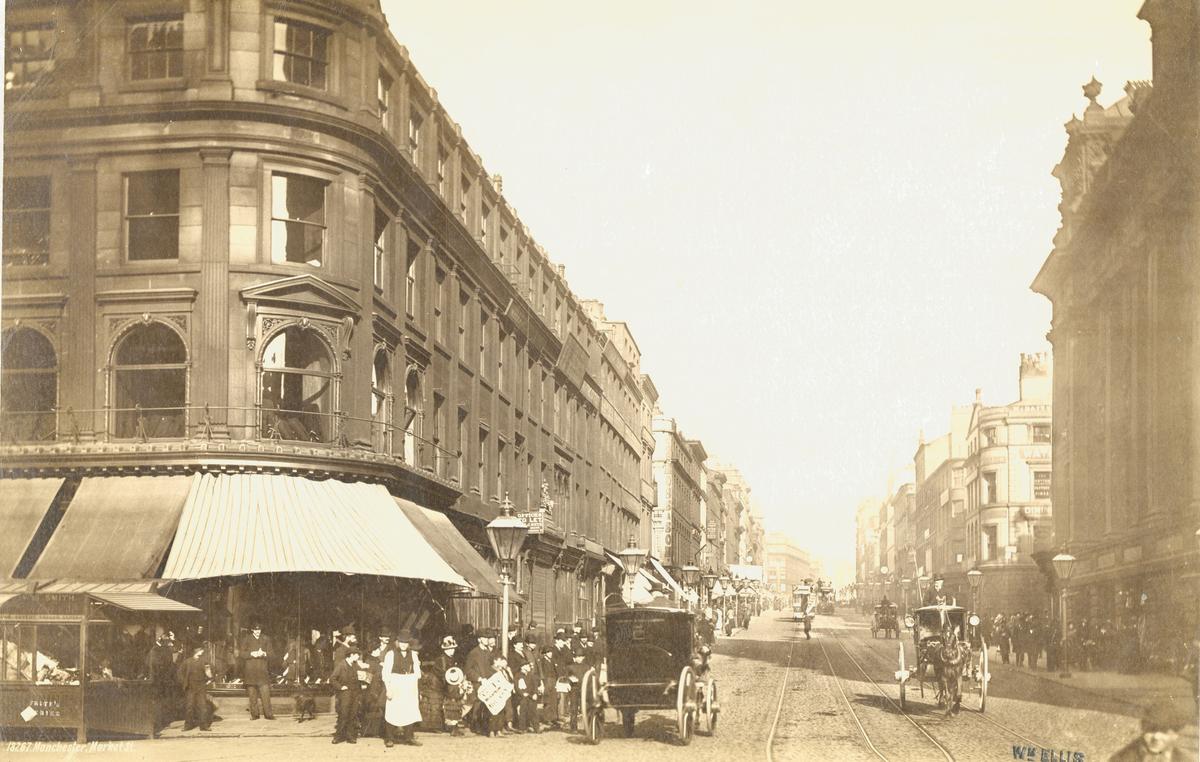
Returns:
point(243, 239)
point(1124, 280)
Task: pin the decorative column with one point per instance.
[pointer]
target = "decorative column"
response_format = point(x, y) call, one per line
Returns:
point(82, 387)
point(213, 343)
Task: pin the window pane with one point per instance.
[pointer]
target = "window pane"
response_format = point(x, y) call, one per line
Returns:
point(26, 238)
point(25, 348)
point(296, 406)
point(160, 393)
point(26, 193)
point(153, 238)
point(316, 77)
point(153, 192)
point(303, 198)
point(296, 243)
point(153, 344)
point(297, 349)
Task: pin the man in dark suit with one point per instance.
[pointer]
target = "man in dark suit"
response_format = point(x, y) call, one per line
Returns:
point(344, 681)
point(160, 667)
point(194, 676)
point(255, 651)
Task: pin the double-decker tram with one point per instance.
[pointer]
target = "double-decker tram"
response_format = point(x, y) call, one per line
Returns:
point(800, 596)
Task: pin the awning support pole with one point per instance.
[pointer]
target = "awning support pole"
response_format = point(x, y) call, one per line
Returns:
point(81, 731)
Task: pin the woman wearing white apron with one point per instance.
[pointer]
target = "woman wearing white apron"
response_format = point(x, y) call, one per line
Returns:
point(401, 671)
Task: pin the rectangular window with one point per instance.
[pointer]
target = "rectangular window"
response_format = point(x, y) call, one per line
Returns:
point(989, 542)
point(443, 169)
point(462, 444)
point(439, 305)
point(439, 433)
point(484, 325)
point(415, 121)
point(29, 54)
point(481, 480)
point(301, 54)
point(501, 453)
point(484, 215)
point(1041, 433)
point(156, 49)
point(26, 221)
point(1041, 485)
point(152, 215)
point(989, 437)
point(410, 279)
point(989, 488)
point(464, 300)
point(501, 350)
point(383, 97)
point(380, 248)
point(297, 219)
point(464, 197)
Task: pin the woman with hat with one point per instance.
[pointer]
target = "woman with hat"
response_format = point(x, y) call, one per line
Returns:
point(401, 673)
point(453, 683)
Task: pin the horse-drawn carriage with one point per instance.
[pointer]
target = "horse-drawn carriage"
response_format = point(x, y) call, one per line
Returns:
point(654, 661)
point(950, 650)
point(886, 620)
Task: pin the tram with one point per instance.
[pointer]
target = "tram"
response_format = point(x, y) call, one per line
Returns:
point(800, 596)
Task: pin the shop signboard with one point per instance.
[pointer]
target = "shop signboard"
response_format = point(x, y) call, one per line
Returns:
point(40, 706)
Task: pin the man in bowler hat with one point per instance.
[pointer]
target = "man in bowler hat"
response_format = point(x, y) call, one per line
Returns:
point(256, 651)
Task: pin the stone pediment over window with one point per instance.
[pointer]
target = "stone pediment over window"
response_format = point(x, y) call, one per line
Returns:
point(302, 292)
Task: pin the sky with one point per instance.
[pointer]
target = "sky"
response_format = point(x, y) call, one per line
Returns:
point(820, 220)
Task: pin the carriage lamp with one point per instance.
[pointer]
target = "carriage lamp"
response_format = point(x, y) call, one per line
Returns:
point(507, 533)
point(631, 559)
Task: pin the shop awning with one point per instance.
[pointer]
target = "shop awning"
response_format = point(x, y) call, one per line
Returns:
point(132, 596)
point(23, 505)
point(453, 547)
point(234, 524)
point(116, 527)
point(662, 572)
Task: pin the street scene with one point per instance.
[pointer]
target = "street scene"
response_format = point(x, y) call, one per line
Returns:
point(866, 424)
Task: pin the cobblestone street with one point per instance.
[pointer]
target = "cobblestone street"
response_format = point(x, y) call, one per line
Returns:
point(782, 698)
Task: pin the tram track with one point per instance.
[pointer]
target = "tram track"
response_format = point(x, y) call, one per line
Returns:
point(978, 715)
point(782, 693)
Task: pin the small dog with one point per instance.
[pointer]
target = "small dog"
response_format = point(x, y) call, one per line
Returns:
point(306, 707)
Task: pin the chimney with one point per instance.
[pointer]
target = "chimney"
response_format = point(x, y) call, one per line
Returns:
point(1035, 379)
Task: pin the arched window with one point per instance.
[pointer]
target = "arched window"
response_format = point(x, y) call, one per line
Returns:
point(412, 416)
point(28, 387)
point(381, 390)
point(149, 384)
point(297, 386)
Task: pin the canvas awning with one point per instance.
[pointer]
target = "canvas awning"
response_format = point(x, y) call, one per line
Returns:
point(666, 576)
point(131, 596)
point(23, 505)
point(116, 527)
point(234, 524)
point(448, 541)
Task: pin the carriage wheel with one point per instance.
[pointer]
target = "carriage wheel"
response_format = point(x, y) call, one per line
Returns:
point(685, 704)
point(903, 681)
point(710, 709)
point(593, 713)
point(627, 720)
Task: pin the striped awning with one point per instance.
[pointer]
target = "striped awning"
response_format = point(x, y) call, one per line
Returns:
point(450, 543)
point(23, 504)
point(116, 527)
point(234, 524)
point(661, 571)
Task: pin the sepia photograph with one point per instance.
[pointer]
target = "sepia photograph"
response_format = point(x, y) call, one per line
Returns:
point(630, 380)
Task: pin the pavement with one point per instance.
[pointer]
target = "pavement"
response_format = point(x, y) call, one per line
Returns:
point(783, 697)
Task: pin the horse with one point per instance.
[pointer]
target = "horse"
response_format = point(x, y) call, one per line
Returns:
point(948, 659)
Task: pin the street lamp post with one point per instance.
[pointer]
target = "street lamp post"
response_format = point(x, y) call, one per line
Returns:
point(710, 580)
point(689, 575)
point(922, 583)
point(904, 585)
point(975, 577)
point(1064, 564)
point(507, 533)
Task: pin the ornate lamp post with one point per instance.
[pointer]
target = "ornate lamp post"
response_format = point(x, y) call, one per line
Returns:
point(507, 533)
point(689, 575)
point(922, 583)
point(631, 560)
point(975, 577)
point(905, 583)
point(709, 580)
point(1064, 564)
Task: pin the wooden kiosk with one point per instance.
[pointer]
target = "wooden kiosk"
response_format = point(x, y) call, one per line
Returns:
point(62, 662)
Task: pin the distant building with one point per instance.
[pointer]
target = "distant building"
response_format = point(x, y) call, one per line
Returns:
point(1008, 472)
point(678, 462)
point(1124, 279)
point(787, 564)
point(940, 506)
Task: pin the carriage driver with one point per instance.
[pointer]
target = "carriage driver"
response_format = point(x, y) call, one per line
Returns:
point(933, 594)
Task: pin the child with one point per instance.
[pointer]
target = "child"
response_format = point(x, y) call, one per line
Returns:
point(494, 723)
point(528, 696)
